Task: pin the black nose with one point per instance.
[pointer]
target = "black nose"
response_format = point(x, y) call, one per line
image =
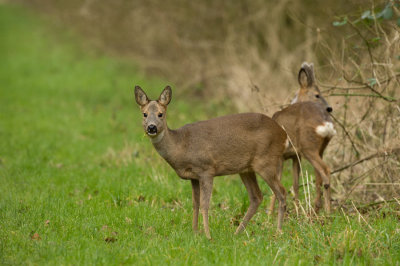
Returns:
point(329, 109)
point(152, 129)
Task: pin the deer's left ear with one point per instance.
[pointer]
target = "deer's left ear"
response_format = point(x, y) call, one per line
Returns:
point(165, 96)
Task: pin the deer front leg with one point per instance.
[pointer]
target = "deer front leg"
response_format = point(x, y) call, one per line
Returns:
point(271, 173)
point(318, 192)
point(206, 184)
point(196, 204)
point(323, 171)
point(327, 193)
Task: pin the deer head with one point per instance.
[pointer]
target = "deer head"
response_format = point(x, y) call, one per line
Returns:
point(154, 111)
point(309, 91)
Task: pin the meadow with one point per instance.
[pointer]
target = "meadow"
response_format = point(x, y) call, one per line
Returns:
point(81, 184)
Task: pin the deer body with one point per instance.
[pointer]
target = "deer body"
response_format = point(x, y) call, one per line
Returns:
point(242, 144)
point(310, 128)
point(308, 125)
point(220, 146)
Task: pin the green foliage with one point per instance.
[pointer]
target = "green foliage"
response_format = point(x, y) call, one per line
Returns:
point(387, 11)
point(81, 185)
point(340, 23)
point(372, 81)
point(369, 16)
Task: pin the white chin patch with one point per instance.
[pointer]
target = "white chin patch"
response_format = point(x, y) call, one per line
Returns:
point(158, 138)
point(151, 134)
point(326, 130)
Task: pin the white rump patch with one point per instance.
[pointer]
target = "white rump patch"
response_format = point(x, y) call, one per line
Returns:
point(326, 130)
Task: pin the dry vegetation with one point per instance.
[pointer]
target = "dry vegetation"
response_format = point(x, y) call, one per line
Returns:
point(252, 50)
point(364, 84)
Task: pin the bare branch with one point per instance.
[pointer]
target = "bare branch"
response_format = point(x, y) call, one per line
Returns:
point(386, 98)
point(375, 155)
point(347, 134)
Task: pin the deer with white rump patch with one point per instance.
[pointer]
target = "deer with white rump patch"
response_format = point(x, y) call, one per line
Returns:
point(310, 128)
point(242, 144)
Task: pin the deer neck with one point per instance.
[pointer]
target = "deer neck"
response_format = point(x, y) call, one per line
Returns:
point(165, 144)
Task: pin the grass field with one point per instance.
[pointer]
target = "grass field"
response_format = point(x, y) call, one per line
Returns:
point(80, 184)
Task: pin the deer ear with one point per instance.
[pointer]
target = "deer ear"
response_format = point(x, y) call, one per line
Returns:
point(306, 75)
point(312, 69)
point(165, 96)
point(303, 80)
point(312, 75)
point(140, 96)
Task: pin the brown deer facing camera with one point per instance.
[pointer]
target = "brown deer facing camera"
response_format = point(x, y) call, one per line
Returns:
point(310, 128)
point(242, 144)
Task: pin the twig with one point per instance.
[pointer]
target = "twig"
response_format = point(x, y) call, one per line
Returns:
point(347, 134)
point(347, 217)
point(376, 94)
point(369, 157)
point(299, 161)
point(397, 201)
point(376, 203)
point(365, 115)
point(387, 98)
point(382, 184)
point(276, 256)
point(364, 86)
point(359, 178)
point(309, 194)
point(370, 227)
point(366, 44)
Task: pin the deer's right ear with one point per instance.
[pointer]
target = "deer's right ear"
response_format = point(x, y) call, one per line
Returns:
point(140, 96)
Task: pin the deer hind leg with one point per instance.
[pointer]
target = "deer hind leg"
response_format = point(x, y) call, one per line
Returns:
point(206, 185)
point(318, 180)
point(296, 171)
point(272, 204)
point(196, 204)
point(271, 174)
point(255, 196)
point(322, 170)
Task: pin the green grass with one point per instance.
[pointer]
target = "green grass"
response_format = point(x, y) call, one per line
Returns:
point(80, 184)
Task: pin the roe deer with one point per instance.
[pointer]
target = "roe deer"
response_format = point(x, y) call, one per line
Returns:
point(310, 128)
point(242, 144)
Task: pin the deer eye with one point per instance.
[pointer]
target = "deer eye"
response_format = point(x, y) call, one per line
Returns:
point(317, 96)
point(160, 114)
point(144, 114)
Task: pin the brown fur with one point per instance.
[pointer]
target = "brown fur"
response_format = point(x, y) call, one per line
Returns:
point(242, 143)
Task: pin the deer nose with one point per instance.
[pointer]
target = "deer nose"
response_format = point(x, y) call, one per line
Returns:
point(329, 109)
point(152, 129)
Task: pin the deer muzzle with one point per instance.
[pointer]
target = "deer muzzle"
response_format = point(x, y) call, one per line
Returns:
point(152, 129)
